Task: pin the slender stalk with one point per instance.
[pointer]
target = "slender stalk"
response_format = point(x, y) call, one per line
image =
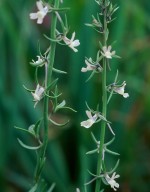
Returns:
point(104, 110)
point(48, 70)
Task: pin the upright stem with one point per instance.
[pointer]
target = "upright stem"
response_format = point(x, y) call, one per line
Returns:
point(47, 83)
point(104, 110)
point(49, 68)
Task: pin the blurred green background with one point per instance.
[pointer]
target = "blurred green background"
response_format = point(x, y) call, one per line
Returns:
point(67, 163)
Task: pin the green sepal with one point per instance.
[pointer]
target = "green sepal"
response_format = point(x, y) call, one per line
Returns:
point(104, 181)
point(58, 124)
point(59, 71)
point(27, 146)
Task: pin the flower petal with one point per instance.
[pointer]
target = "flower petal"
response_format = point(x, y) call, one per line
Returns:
point(39, 5)
point(84, 69)
point(88, 113)
point(87, 124)
point(40, 21)
point(125, 95)
point(33, 16)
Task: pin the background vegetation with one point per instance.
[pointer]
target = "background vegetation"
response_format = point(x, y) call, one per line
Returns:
point(67, 162)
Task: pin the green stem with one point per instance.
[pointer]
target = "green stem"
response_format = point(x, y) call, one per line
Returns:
point(104, 111)
point(47, 83)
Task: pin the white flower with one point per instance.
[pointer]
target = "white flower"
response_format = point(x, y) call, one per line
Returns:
point(91, 67)
point(38, 94)
point(111, 180)
point(92, 119)
point(39, 62)
point(40, 14)
point(71, 42)
point(107, 52)
point(77, 190)
point(120, 90)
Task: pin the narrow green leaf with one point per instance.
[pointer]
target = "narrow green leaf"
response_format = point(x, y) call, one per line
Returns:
point(92, 74)
point(52, 187)
point(104, 181)
point(111, 152)
point(115, 167)
point(53, 97)
point(29, 90)
point(59, 71)
point(25, 130)
point(58, 124)
point(92, 152)
point(27, 146)
point(34, 188)
point(62, 104)
point(94, 139)
point(52, 84)
point(101, 190)
point(110, 142)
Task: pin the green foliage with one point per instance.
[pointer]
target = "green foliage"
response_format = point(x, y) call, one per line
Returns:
point(66, 163)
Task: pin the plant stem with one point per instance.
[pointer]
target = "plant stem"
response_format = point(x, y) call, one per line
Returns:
point(49, 67)
point(104, 110)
